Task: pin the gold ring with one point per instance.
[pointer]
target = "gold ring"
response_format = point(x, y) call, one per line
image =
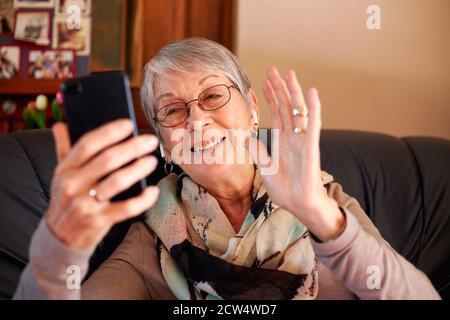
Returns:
point(304, 112)
point(299, 130)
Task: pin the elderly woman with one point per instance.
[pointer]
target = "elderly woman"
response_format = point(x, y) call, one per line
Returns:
point(220, 230)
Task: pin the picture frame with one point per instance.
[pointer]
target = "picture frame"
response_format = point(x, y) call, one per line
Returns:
point(10, 57)
point(109, 29)
point(34, 3)
point(33, 26)
point(61, 7)
point(72, 39)
point(51, 64)
point(7, 15)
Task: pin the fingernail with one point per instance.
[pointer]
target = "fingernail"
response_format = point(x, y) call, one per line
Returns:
point(272, 71)
point(152, 190)
point(290, 75)
point(150, 139)
point(151, 161)
point(126, 124)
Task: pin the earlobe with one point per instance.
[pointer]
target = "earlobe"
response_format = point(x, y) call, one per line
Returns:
point(255, 117)
point(168, 165)
point(254, 107)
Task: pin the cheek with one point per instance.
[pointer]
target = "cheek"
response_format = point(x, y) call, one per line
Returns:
point(166, 137)
point(233, 116)
point(173, 137)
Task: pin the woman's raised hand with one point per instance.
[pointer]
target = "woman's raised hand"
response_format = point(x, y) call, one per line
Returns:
point(296, 185)
point(74, 216)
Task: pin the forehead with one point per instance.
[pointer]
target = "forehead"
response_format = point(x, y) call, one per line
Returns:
point(179, 82)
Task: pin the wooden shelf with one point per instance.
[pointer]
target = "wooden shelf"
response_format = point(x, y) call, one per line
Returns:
point(29, 86)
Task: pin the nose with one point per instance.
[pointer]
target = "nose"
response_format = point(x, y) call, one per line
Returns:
point(198, 118)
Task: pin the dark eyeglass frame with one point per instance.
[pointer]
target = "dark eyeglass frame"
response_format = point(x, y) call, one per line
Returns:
point(198, 102)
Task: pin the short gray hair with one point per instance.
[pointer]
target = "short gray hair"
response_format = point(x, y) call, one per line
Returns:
point(188, 54)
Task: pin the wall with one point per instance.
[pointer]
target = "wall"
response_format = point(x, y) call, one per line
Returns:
point(394, 80)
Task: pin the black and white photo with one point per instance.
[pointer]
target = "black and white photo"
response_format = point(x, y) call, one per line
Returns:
point(33, 26)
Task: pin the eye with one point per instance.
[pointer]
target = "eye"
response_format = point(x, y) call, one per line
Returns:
point(213, 96)
point(174, 110)
point(170, 110)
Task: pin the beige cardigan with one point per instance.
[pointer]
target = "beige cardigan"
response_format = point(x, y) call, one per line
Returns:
point(348, 266)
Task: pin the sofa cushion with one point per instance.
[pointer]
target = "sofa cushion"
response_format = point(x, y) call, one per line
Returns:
point(379, 171)
point(26, 164)
point(432, 157)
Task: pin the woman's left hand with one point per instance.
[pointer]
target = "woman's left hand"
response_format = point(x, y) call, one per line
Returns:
point(296, 185)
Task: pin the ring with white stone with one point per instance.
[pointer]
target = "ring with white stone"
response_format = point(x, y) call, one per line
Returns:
point(303, 112)
point(93, 193)
point(295, 112)
point(299, 130)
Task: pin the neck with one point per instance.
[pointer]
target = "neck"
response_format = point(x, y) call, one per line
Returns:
point(233, 193)
point(236, 208)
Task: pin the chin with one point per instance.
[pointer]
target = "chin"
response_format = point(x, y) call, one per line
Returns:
point(210, 171)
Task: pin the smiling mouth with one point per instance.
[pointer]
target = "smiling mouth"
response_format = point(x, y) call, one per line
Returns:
point(207, 146)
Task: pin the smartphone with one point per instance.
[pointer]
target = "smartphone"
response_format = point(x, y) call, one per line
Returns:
point(94, 100)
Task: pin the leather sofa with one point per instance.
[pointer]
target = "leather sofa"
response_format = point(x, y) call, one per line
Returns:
point(403, 184)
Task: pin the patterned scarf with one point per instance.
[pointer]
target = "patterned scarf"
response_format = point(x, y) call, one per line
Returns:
point(202, 257)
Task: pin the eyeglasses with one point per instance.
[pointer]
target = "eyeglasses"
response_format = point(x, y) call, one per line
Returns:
point(211, 99)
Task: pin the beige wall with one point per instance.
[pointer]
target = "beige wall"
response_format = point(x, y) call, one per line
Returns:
point(394, 80)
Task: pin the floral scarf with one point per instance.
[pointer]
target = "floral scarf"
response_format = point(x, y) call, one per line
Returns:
point(202, 257)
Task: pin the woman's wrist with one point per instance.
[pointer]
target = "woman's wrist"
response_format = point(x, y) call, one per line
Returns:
point(325, 220)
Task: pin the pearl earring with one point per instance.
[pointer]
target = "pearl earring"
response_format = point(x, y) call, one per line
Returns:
point(161, 150)
point(255, 117)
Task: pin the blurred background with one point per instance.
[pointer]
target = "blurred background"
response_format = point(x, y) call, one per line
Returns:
point(395, 79)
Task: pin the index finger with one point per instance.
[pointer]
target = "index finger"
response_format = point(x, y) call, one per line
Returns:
point(96, 140)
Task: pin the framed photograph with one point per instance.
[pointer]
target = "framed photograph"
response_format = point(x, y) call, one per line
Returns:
point(73, 38)
point(109, 29)
point(6, 16)
point(62, 7)
point(9, 62)
point(51, 64)
point(34, 3)
point(33, 26)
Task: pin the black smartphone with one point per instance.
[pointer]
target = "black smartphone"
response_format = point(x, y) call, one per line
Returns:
point(94, 100)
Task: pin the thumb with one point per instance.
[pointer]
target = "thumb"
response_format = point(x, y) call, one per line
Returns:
point(62, 140)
